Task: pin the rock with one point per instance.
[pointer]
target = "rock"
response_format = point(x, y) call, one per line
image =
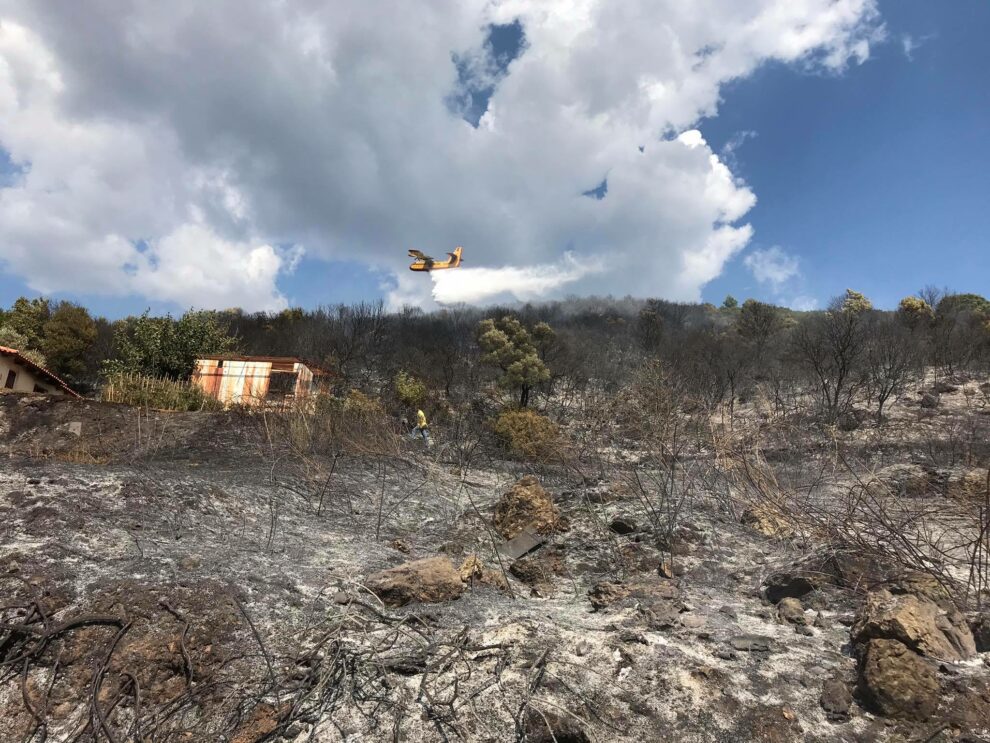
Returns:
point(929, 401)
point(670, 570)
point(783, 585)
point(944, 388)
point(791, 611)
point(848, 422)
point(547, 725)
point(916, 622)
point(967, 484)
point(539, 572)
point(836, 699)
point(827, 567)
point(192, 562)
point(980, 627)
point(401, 545)
point(525, 505)
point(432, 580)
point(897, 682)
point(692, 621)
point(752, 643)
point(767, 520)
point(623, 525)
point(906, 480)
point(646, 591)
point(921, 584)
point(473, 572)
point(803, 629)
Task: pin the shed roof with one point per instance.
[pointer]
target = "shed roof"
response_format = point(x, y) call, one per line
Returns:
point(279, 363)
point(39, 370)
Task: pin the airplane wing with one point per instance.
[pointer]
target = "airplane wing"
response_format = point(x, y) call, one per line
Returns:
point(420, 255)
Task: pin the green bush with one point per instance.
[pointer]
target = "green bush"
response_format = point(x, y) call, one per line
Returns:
point(156, 392)
point(527, 435)
point(409, 390)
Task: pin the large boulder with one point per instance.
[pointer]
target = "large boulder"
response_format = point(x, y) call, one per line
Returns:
point(923, 585)
point(967, 484)
point(916, 622)
point(430, 581)
point(907, 480)
point(897, 682)
point(526, 505)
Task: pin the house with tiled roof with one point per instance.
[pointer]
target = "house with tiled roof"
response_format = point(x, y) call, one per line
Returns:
point(20, 374)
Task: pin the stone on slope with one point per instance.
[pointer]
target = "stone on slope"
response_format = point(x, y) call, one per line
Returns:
point(915, 621)
point(906, 480)
point(431, 580)
point(836, 700)
point(967, 484)
point(791, 611)
point(525, 505)
point(897, 682)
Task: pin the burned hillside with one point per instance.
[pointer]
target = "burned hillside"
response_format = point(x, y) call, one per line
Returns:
point(635, 554)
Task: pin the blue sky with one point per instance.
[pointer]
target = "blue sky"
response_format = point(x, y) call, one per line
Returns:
point(874, 178)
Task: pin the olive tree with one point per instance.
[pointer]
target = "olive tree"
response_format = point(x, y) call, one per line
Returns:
point(510, 347)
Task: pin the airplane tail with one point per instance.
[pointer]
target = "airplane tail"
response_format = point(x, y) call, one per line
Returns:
point(455, 257)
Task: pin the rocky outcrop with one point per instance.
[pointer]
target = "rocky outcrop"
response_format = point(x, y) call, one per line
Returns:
point(916, 622)
point(429, 581)
point(525, 505)
point(897, 682)
point(906, 480)
point(967, 484)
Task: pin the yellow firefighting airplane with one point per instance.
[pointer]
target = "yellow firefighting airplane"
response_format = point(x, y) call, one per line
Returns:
point(424, 262)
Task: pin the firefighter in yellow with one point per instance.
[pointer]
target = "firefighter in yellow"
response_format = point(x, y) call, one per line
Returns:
point(422, 427)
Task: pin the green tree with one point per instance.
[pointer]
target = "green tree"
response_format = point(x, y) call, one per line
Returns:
point(28, 317)
point(757, 323)
point(165, 347)
point(915, 312)
point(10, 338)
point(509, 346)
point(854, 303)
point(730, 302)
point(955, 304)
point(67, 337)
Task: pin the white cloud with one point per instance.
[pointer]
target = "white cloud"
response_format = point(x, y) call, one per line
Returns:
point(168, 147)
point(772, 266)
point(802, 303)
point(910, 44)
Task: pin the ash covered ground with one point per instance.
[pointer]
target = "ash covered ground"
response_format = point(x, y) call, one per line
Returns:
point(178, 577)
